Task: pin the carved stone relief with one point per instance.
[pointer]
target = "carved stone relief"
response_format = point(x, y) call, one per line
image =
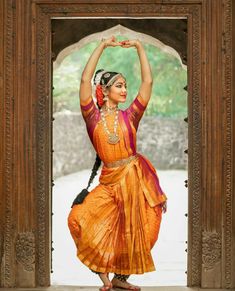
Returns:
point(211, 249)
point(227, 138)
point(7, 269)
point(25, 250)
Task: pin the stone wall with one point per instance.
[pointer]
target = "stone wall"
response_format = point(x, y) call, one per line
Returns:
point(161, 140)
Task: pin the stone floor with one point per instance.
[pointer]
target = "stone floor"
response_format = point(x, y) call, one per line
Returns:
point(85, 288)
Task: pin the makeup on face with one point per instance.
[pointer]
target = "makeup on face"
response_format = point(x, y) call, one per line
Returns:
point(117, 92)
point(120, 84)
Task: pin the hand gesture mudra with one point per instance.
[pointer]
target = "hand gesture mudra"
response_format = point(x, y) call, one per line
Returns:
point(130, 43)
point(112, 41)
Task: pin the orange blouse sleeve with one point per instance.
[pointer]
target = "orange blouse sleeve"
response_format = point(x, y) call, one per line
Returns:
point(136, 110)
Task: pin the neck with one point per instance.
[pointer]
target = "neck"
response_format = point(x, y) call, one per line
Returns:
point(110, 104)
point(110, 107)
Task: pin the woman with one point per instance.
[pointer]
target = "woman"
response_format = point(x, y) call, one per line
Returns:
point(117, 224)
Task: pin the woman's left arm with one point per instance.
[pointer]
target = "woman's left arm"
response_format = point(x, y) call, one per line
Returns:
point(146, 74)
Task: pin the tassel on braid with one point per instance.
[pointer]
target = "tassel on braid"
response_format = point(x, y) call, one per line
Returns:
point(82, 195)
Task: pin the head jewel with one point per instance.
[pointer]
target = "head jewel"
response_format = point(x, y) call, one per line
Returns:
point(98, 77)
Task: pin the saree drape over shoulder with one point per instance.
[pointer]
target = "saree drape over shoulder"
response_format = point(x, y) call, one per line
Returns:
point(117, 225)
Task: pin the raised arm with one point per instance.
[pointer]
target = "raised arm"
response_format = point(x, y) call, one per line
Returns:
point(85, 84)
point(146, 74)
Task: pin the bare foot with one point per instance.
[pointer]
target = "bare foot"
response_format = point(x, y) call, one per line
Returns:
point(124, 285)
point(105, 279)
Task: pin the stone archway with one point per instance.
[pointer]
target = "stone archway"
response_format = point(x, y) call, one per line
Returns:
point(26, 137)
point(115, 30)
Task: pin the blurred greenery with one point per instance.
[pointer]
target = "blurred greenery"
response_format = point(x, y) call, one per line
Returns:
point(168, 99)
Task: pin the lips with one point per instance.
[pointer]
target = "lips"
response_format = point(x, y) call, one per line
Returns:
point(123, 95)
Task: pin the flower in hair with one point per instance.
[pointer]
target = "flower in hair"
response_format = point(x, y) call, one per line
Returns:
point(98, 77)
point(99, 95)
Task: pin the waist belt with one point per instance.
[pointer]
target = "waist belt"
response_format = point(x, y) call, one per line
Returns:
point(120, 162)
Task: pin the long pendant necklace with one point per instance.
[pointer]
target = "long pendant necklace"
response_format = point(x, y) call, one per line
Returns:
point(113, 138)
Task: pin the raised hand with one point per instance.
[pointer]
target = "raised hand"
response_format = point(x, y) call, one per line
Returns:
point(130, 43)
point(111, 41)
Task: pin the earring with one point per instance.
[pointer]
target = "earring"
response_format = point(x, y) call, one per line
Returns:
point(105, 97)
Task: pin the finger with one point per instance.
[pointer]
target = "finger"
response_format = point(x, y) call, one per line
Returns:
point(125, 45)
point(116, 44)
point(124, 41)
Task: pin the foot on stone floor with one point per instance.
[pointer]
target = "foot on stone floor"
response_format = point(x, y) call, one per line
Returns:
point(107, 284)
point(124, 285)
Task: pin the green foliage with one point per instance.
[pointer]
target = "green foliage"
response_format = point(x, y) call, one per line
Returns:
point(168, 97)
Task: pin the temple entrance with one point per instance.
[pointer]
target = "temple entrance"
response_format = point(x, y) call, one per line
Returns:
point(26, 138)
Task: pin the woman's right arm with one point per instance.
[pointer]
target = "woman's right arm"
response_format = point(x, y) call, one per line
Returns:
point(85, 85)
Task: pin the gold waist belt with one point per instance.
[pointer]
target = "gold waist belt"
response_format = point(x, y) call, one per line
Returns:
point(120, 162)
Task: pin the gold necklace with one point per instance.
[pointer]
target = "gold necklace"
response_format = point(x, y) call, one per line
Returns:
point(113, 138)
point(110, 109)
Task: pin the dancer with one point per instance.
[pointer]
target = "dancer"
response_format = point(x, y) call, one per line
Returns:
point(118, 223)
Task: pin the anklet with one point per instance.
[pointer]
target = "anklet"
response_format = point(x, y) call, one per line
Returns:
point(120, 277)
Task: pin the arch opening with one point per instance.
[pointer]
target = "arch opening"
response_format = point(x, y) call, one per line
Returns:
point(124, 32)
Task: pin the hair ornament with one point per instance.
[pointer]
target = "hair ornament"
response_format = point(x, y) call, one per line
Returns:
point(107, 75)
point(99, 95)
point(98, 77)
point(113, 79)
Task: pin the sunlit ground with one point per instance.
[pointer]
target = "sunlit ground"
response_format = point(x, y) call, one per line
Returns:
point(169, 252)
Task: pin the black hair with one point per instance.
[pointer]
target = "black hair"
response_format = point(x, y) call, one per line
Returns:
point(94, 170)
point(82, 195)
point(105, 77)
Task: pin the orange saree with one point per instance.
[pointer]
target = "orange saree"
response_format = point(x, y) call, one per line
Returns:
point(117, 225)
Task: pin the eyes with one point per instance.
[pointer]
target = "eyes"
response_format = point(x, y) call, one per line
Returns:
point(120, 86)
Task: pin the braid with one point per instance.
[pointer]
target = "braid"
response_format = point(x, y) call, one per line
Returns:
point(82, 195)
point(94, 170)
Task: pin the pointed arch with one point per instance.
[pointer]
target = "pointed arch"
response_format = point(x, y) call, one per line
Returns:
point(117, 30)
